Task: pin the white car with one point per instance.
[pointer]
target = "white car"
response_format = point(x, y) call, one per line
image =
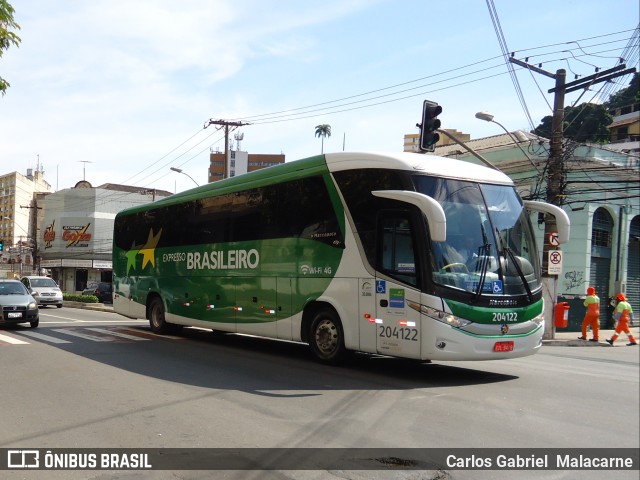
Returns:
point(44, 290)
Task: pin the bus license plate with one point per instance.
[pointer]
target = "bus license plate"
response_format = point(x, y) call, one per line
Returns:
point(503, 347)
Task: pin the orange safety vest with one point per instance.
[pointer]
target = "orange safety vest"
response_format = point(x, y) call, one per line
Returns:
point(623, 309)
point(592, 302)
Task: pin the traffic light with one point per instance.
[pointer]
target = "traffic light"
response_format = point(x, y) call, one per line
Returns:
point(430, 124)
point(1, 246)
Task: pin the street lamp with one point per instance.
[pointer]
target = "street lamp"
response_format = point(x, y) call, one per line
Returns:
point(179, 170)
point(487, 117)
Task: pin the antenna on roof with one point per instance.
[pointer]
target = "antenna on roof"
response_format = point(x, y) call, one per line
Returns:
point(84, 167)
point(239, 137)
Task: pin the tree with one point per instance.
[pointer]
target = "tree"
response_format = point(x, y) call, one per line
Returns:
point(7, 37)
point(323, 131)
point(588, 122)
point(584, 123)
point(626, 96)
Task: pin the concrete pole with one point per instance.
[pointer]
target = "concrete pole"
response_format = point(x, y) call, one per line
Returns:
point(555, 196)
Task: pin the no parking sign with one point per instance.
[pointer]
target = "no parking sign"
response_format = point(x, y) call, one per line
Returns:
point(555, 262)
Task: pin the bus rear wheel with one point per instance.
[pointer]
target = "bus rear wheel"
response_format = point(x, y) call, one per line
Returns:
point(156, 316)
point(326, 337)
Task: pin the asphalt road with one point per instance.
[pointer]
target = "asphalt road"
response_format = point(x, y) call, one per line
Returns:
point(87, 379)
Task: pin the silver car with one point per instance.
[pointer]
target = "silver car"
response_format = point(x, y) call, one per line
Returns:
point(44, 290)
point(16, 304)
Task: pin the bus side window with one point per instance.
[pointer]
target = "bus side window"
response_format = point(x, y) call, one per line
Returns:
point(396, 253)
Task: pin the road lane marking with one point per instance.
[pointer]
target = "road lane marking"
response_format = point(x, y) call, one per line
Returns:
point(150, 334)
point(46, 338)
point(81, 335)
point(12, 340)
point(117, 334)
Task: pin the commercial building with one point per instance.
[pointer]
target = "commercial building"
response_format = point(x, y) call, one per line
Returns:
point(75, 230)
point(240, 162)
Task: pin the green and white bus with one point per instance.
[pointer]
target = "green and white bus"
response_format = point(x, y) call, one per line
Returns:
point(344, 252)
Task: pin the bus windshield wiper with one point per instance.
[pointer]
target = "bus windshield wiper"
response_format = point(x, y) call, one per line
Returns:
point(509, 252)
point(484, 265)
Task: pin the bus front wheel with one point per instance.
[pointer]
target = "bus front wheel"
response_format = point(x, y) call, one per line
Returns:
point(156, 316)
point(326, 337)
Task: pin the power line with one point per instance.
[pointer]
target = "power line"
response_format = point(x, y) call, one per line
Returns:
point(341, 105)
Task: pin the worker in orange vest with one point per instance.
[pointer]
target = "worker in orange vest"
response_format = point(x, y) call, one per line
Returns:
point(592, 317)
point(623, 313)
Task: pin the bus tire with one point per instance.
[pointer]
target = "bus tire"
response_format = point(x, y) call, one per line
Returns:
point(326, 337)
point(156, 316)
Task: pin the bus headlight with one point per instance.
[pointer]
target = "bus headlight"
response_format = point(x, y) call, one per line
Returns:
point(439, 315)
point(452, 320)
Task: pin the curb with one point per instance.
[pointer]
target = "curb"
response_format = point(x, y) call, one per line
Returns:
point(99, 307)
point(574, 343)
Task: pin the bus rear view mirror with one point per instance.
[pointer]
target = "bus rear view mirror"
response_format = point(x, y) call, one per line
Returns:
point(427, 205)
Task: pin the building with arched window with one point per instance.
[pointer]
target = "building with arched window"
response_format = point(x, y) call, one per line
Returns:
point(601, 188)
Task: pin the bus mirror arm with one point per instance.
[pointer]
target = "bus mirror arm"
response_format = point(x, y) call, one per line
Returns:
point(562, 219)
point(427, 205)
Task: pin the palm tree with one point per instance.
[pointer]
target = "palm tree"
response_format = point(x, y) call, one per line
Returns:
point(322, 131)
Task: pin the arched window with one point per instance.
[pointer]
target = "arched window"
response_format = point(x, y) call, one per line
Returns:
point(601, 234)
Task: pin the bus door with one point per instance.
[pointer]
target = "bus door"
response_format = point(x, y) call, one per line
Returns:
point(397, 296)
point(256, 305)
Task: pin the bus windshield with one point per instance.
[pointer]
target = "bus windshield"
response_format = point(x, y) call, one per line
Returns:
point(490, 247)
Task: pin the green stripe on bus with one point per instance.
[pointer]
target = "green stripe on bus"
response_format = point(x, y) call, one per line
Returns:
point(496, 315)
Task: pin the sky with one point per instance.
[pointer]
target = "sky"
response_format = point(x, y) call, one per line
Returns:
point(119, 91)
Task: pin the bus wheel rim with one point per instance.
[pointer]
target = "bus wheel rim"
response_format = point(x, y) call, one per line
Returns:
point(155, 317)
point(326, 337)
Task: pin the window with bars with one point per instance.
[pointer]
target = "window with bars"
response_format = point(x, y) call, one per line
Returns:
point(601, 233)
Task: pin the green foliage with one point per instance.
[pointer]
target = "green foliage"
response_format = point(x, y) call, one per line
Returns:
point(588, 122)
point(76, 297)
point(323, 131)
point(626, 96)
point(7, 36)
point(585, 123)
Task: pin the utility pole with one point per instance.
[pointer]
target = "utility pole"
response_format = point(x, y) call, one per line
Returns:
point(226, 124)
point(556, 172)
point(33, 216)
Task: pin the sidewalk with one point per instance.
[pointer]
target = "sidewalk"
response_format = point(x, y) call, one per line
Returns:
point(100, 307)
point(570, 339)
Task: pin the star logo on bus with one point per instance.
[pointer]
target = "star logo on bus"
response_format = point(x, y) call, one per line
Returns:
point(131, 257)
point(148, 250)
